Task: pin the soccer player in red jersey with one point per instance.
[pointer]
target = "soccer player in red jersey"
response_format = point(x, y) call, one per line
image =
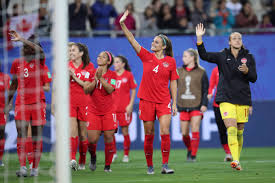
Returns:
point(192, 100)
point(80, 68)
point(4, 86)
point(159, 68)
point(213, 83)
point(101, 113)
point(30, 108)
point(46, 88)
point(70, 44)
point(125, 85)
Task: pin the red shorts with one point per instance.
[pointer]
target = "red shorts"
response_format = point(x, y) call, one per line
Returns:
point(149, 110)
point(34, 113)
point(186, 116)
point(79, 112)
point(123, 119)
point(102, 122)
point(2, 119)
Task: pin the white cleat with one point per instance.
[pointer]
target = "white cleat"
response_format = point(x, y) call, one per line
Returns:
point(81, 167)
point(73, 165)
point(228, 157)
point(166, 170)
point(34, 172)
point(150, 170)
point(114, 158)
point(125, 159)
point(22, 172)
point(1, 163)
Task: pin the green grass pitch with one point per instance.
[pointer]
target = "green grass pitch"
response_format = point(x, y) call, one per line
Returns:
point(258, 165)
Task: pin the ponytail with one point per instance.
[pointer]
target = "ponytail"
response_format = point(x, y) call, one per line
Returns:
point(167, 42)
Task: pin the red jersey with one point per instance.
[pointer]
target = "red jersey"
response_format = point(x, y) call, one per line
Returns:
point(124, 83)
point(4, 86)
point(156, 76)
point(77, 95)
point(31, 77)
point(100, 102)
point(213, 83)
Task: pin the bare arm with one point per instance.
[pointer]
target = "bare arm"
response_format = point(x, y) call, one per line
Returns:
point(46, 87)
point(108, 88)
point(17, 37)
point(12, 90)
point(173, 88)
point(79, 81)
point(89, 86)
point(128, 34)
point(129, 107)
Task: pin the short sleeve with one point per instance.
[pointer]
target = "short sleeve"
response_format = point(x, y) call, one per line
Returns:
point(144, 55)
point(174, 72)
point(132, 81)
point(112, 80)
point(47, 75)
point(14, 67)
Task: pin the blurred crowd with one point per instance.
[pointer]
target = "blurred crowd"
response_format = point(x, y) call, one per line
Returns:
point(181, 15)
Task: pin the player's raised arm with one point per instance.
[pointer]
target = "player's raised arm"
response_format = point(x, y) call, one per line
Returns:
point(128, 34)
point(207, 56)
point(17, 37)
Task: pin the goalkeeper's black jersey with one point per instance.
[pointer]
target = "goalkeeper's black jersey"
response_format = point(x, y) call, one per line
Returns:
point(233, 86)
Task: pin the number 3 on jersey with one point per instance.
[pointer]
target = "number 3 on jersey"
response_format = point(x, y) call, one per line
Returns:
point(156, 69)
point(26, 72)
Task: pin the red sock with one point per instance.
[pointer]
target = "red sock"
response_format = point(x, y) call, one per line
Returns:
point(114, 142)
point(74, 144)
point(226, 148)
point(21, 151)
point(37, 151)
point(148, 149)
point(165, 148)
point(29, 149)
point(83, 146)
point(195, 143)
point(109, 152)
point(126, 145)
point(92, 149)
point(2, 148)
point(187, 141)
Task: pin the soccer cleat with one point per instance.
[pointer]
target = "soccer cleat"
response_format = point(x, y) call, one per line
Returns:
point(125, 159)
point(166, 170)
point(73, 165)
point(22, 172)
point(114, 158)
point(234, 164)
point(239, 168)
point(150, 170)
point(34, 172)
point(193, 158)
point(188, 156)
point(92, 165)
point(81, 167)
point(228, 157)
point(1, 163)
point(107, 168)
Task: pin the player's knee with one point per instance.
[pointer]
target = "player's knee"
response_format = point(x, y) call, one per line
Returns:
point(164, 131)
point(149, 131)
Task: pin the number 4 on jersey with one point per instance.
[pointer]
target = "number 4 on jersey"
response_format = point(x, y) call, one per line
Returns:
point(156, 69)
